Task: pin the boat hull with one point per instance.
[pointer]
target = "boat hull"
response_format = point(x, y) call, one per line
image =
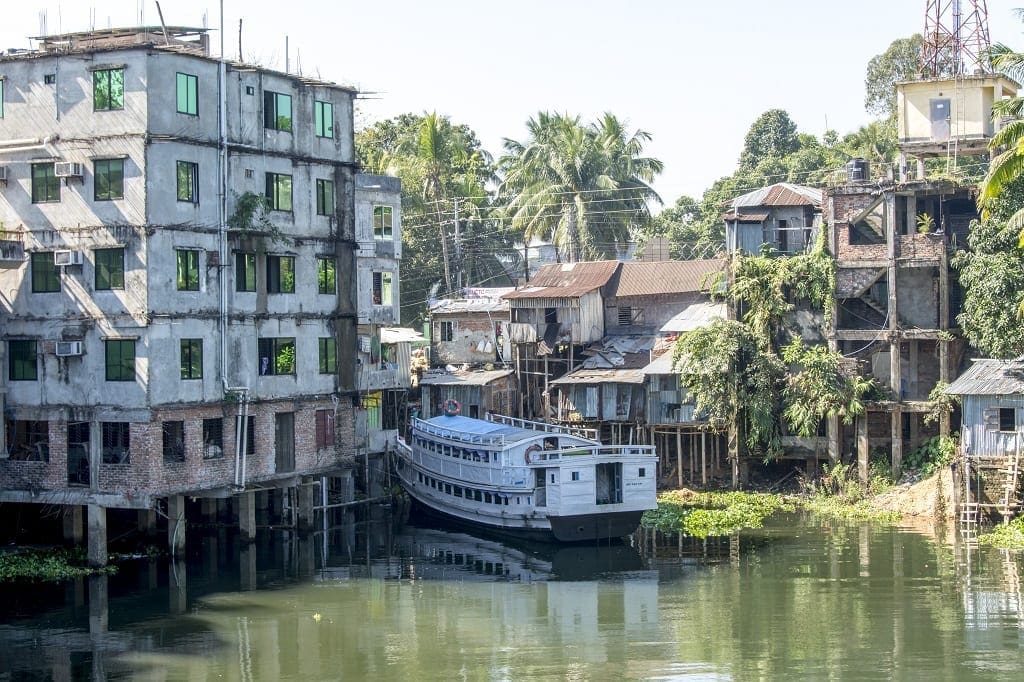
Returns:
point(566, 529)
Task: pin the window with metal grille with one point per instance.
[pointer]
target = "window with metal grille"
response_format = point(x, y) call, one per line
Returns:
point(213, 438)
point(28, 441)
point(116, 442)
point(173, 441)
point(447, 331)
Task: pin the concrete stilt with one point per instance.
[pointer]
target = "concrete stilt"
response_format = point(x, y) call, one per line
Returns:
point(177, 587)
point(97, 536)
point(147, 522)
point(247, 567)
point(99, 602)
point(74, 524)
point(304, 515)
point(209, 507)
point(247, 516)
point(347, 486)
point(176, 525)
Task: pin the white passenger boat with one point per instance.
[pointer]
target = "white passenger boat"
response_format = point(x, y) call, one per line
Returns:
point(527, 478)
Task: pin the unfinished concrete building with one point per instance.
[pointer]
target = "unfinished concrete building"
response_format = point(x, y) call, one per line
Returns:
point(178, 278)
point(896, 304)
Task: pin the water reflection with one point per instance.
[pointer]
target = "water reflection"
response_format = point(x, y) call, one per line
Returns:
point(800, 598)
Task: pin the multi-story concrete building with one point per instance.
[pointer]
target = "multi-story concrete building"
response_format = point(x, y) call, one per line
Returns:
point(178, 280)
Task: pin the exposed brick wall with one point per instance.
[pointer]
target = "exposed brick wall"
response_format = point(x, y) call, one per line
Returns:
point(850, 281)
point(846, 206)
point(468, 331)
point(147, 473)
point(927, 246)
point(847, 251)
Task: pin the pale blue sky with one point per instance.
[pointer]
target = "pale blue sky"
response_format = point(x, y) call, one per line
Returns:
point(694, 75)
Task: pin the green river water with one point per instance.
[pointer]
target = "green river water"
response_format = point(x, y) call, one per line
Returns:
point(801, 598)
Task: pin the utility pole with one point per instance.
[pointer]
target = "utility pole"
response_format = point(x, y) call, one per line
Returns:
point(458, 251)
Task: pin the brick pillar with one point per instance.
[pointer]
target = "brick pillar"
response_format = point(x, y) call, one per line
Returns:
point(97, 536)
point(176, 525)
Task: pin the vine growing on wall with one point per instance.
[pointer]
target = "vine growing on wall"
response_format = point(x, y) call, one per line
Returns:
point(251, 217)
point(756, 369)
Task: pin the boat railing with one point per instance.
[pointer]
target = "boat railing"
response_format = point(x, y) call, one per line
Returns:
point(475, 438)
point(590, 434)
point(596, 451)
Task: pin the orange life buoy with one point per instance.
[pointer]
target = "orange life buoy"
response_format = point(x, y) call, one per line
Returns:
point(451, 407)
point(532, 448)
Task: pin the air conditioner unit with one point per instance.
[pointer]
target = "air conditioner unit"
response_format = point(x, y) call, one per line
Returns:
point(63, 258)
point(69, 348)
point(67, 169)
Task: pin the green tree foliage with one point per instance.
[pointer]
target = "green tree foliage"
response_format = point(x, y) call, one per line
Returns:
point(437, 161)
point(1008, 165)
point(816, 388)
point(901, 61)
point(772, 136)
point(740, 367)
point(992, 276)
point(585, 187)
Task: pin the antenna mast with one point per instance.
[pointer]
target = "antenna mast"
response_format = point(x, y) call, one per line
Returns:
point(956, 39)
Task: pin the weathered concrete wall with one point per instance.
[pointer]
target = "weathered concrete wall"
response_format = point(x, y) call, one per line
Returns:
point(469, 330)
point(917, 295)
point(657, 310)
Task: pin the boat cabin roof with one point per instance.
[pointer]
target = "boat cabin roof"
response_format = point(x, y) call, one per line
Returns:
point(464, 428)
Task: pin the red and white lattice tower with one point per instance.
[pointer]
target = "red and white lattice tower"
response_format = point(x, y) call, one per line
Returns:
point(956, 40)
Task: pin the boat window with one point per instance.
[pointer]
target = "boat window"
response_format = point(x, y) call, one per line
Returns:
point(576, 475)
point(419, 476)
point(487, 498)
point(519, 500)
point(551, 443)
point(458, 491)
point(505, 501)
point(497, 499)
point(448, 488)
point(477, 496)
point(642, 473)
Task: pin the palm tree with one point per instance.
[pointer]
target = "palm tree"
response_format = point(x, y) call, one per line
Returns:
point(584, 187)
point(1008, 165)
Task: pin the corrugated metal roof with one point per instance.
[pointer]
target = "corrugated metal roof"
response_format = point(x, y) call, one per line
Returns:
point(660, 365)
point(619, 352)
point(449, 306)
point(990, 377)
point(636, 278)
point(602, 376)
point(780, 194)
point(695, 316)
point(471, 378)
point(400, 335)
point(564, 280)
point(746, 217)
